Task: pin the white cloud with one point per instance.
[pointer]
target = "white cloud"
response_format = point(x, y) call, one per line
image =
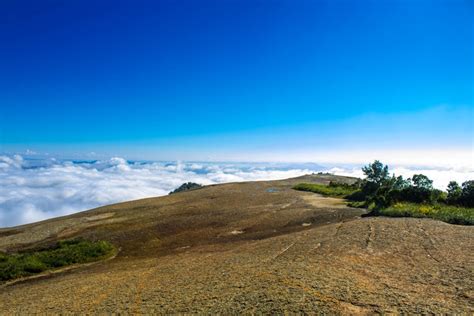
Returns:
point(36, 189)
point(13, 162)
point(33, 190)
point(30, 152)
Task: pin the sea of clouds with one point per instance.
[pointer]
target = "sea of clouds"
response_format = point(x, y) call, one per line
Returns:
point(37, 189)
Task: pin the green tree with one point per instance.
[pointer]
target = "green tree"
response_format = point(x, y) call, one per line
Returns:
point(421, 191)
point(454, 192)
point(399, 183)
point(376, 172)
point(467, 194)
point(377, 184)
point(420, 181)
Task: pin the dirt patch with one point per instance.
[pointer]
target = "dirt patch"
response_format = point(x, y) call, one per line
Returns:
point(99, 216)
point(321, 201)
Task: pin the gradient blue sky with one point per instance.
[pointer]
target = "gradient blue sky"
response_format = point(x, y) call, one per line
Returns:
point(246, 80)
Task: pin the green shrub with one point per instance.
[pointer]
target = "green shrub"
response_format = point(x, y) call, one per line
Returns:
point(33, 264)
point(62, 254)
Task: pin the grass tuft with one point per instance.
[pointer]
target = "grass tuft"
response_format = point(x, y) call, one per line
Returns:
point(334, 190)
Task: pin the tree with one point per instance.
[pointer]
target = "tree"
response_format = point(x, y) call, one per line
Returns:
point(421, 181)
point(421, 191)
point(467, 194)
point(454, 192)
point(399, 183)
point(377, 185)
point(395, 189)
point(379, 190)
point(376, 172)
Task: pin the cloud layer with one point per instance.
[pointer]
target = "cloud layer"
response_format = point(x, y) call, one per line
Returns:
point(33, 190)
point(37, 189)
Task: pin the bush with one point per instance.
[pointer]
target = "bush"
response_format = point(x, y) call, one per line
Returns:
point(357, 196)
point(415, 195)
point(64, 253)
point(33, 264)
point(188, 186)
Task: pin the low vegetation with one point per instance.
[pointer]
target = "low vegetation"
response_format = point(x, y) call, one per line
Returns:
point(446, 213)
point(188, 186)
point(64, 253)
point(393, 195)
point(333, 189)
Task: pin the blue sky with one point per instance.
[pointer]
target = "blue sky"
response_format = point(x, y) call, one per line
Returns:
point(246, 80)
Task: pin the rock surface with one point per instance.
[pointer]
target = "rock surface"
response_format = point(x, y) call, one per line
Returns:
point(241, 247)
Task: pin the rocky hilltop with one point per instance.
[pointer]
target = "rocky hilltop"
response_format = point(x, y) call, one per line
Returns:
point(246, 248)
